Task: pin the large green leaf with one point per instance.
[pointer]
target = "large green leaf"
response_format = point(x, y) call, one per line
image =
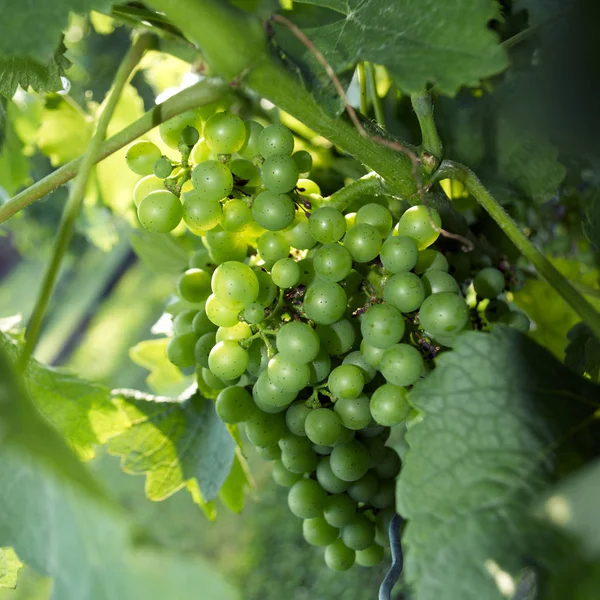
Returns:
point(9, 568)
point(493, 410)
point(82, 411)
point(419, 41)
point(173, 441)
point(583, 351)
point(159, 252)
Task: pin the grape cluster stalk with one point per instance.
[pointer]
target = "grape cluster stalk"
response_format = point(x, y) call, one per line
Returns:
point(311, 324)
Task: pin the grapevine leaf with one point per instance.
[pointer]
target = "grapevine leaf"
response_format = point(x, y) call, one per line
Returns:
point(9, 568)
point(591, 222)
point(419, 41)
point(173, 441)
point(583, 351)
point(86, 545)
point(82, 411)
point(233, 492)
point(159, 252)
point(479, 457)
point(14, 166)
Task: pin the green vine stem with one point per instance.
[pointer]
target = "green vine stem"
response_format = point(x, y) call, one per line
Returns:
point(452, 170)
point(377, 105)
point(77, 192)
point(366, 187)
point(423, 107)
point(203, 92)
point(362, 84)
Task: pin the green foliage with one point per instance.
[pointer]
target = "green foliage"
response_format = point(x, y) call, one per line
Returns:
point(448, 44)
point(9, 568)
point(160, 253)
point(583, 352)
point(481, 454)
point(14, 167)
point(172, 441)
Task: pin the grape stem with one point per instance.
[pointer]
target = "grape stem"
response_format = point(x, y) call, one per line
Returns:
point(366, 187)
point(77, 192)
point(423, 107)
point(377, 105)
point(362, 84)
point(453, 170)
point(201, 93)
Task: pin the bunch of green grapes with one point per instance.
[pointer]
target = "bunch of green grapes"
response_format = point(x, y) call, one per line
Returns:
point(313, 325)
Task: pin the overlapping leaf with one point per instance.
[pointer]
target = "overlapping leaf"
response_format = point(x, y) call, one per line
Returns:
point(172, 441)
point(494, 409)
point(9, 568)
point(583, 351)
point(419, 41)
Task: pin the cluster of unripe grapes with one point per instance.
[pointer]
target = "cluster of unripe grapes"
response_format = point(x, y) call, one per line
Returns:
point(309, 325)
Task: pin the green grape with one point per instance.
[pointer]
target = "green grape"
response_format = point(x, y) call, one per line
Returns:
point(389, 466)
point(337, 338)
point(356, 358)
point(327, 225)
point(245, 174)
point(422, 224)
point(160, 211)
point(320, 367)
point(199, 214)
point(170, 131)
point(382, 326)
point(263, 406)
point(234, 284)
point(180, 350)
point(250, 149)
point(385, 496)
point(332, 262)
point(287, 375)
point(273, 211)
point(389, 405)
point(495, 309)
point(162, 168)
point(182, 323)
point(285, 273)
point(189, 136)
point(267, 290)
point(145, 185)
point(444, 314)
point(236, 215)
point(338, 557)
point(405, 291)
point(382, 526)
point(275, 140)
point(376, 215)
point(359, 533)
point(254, 313)
point(298, 460)
point(201, 260)
point(328, 481)
point(303, 161)
point(212, 381)
point(371, 354)
point(350, 461)
point(339, 510)
point(317, 532)
point(279, 174)
point(295, 417)
point(306, 499)
point(436, 282)
point(365, 488)
point(363, 241)
point(234, 404)
point(297, 342)
point(228, 360)
point(346, 435)
point(200, 152)
point(212, 180)
point(371, 556)
point(203, 347)
point(194, 285)
point(307, 271)
point(141, 156)
point(325, 303)
point(489, 282)
point(399, 254)
point(298, 234)
point(219, 314)
point(225, 133)
point(353, 412)
point(258, 358)
point(270, 394)
point(224, 245)
point(402, 365)
point(346, 381)
point(265, 429)
point(283, 477)
point(272, 246)
point(323, 427)
point(431, 260)
point(515, 319)
point(272, 452)
point(239, 331)
point(322, 450)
